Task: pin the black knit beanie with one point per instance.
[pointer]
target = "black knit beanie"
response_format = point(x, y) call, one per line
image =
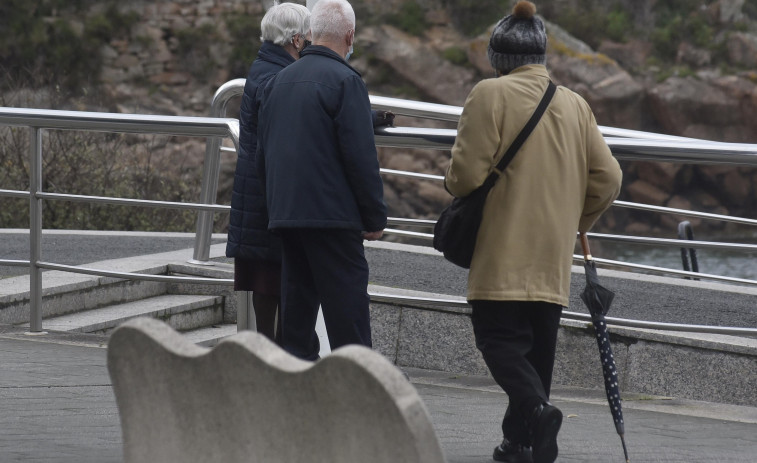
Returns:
point(518, 39)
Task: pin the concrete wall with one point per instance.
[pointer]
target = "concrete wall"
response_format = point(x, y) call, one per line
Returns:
point(683, 365)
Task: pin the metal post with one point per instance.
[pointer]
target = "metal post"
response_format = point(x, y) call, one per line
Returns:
point(211, 171)
point(245, 312)
point(35, 230)
point(208, 195)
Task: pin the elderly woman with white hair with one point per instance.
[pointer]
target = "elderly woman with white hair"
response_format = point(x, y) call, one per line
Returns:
point(256, 252)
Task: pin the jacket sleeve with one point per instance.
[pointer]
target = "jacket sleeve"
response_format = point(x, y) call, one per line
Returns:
point(604, 177)
point(357, 149)
point(476, 145)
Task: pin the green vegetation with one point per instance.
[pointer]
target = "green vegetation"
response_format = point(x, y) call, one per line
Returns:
point(674, 27)
point(96, 164)
point(80, 163)
point(194, 50)
point(456, 56)
point(750, 8)
point(592, 23)
point(674, 22)
point(472, 17)
point(245, 42)
point(410, 18)
point(111, 23)
point(53, 50)
point(674, 71)
point(618, 25)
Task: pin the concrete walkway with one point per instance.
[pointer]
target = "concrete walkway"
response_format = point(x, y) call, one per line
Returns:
point(57, 405)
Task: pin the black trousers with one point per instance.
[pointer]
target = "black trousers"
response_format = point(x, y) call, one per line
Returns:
point(325, 267)
point(517, 340)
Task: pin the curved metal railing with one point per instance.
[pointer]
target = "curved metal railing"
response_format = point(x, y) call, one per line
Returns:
point(625, 144)
point(38, 120)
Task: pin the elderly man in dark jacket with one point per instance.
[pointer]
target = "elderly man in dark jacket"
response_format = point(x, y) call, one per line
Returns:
point(256, 251)
point(317, 157)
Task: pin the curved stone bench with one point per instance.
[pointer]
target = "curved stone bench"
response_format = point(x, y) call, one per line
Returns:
point(248, 400)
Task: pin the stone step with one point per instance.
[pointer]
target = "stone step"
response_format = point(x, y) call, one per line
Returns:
point(211, 335)
point(181, 312)
point(65, 293)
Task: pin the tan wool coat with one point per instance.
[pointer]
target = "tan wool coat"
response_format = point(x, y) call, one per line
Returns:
point(560, 182)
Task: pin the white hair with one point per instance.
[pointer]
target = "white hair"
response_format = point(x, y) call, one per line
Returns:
point(331, 19)
point(283, 21)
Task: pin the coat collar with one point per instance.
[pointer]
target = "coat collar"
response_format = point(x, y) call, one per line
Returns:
point(539, 70)
point(328, 52)
point(275, 54)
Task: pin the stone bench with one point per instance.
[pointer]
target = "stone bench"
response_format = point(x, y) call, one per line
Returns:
point(248, 400)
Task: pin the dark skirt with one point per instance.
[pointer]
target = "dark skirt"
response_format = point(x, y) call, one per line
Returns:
point(258, 276)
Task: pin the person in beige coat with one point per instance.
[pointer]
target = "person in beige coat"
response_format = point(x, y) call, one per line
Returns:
point(559, 182)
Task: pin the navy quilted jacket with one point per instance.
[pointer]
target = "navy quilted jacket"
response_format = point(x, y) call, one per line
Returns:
point(317, 154)
point(249, 237)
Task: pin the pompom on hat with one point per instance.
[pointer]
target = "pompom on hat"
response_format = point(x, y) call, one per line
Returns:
point(518, 39)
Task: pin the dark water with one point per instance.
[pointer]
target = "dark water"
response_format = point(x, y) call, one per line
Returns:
point(736, 264)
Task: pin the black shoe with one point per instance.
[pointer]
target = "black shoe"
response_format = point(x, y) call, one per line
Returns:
point(544, 425)
point(512, 453)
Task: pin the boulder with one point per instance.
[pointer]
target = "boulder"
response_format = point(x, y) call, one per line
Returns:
point(476, 51)
point(742, 49)
point(418, 63)
point(729, 11)
point(660, 174)
point(171, 78)
point(693, 56)
point(680, 103)
point(641, 191)
point(615, 97)
point(737, 188)
point(629, 55)
point(714, 108)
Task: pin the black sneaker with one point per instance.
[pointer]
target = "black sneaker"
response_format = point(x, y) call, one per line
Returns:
point(544, 425)
point(512, 453)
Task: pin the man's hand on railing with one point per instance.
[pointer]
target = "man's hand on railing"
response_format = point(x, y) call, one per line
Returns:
point(382, 118)
point(373, 236)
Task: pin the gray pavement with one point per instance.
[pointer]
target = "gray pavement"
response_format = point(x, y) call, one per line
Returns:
point(419, 271)
point(81, 247)
point(57, 405)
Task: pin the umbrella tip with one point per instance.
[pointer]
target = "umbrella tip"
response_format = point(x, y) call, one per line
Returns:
point(625, 451)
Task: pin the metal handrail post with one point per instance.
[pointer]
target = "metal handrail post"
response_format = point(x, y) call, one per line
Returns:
point(208, 195)
point(35, 231)
point(211, 172)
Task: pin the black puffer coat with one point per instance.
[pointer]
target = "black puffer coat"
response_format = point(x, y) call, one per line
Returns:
point(249, 237)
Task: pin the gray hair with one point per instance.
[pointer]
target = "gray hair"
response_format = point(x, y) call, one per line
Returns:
point(283, 21)
point(331, 19)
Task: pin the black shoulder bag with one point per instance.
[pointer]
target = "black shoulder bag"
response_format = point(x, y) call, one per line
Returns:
point(456, 230)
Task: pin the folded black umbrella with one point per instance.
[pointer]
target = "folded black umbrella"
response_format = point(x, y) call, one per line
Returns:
point(598, 299)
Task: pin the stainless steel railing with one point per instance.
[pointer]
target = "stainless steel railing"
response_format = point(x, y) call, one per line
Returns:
point(626, 144)
point(40, 120)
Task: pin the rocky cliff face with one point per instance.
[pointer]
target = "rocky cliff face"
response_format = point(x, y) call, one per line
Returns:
point(179, 52)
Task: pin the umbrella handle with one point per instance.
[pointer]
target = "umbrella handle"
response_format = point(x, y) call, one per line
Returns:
point(585, 246)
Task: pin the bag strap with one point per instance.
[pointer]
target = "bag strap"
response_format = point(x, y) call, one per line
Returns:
point(522, 136)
